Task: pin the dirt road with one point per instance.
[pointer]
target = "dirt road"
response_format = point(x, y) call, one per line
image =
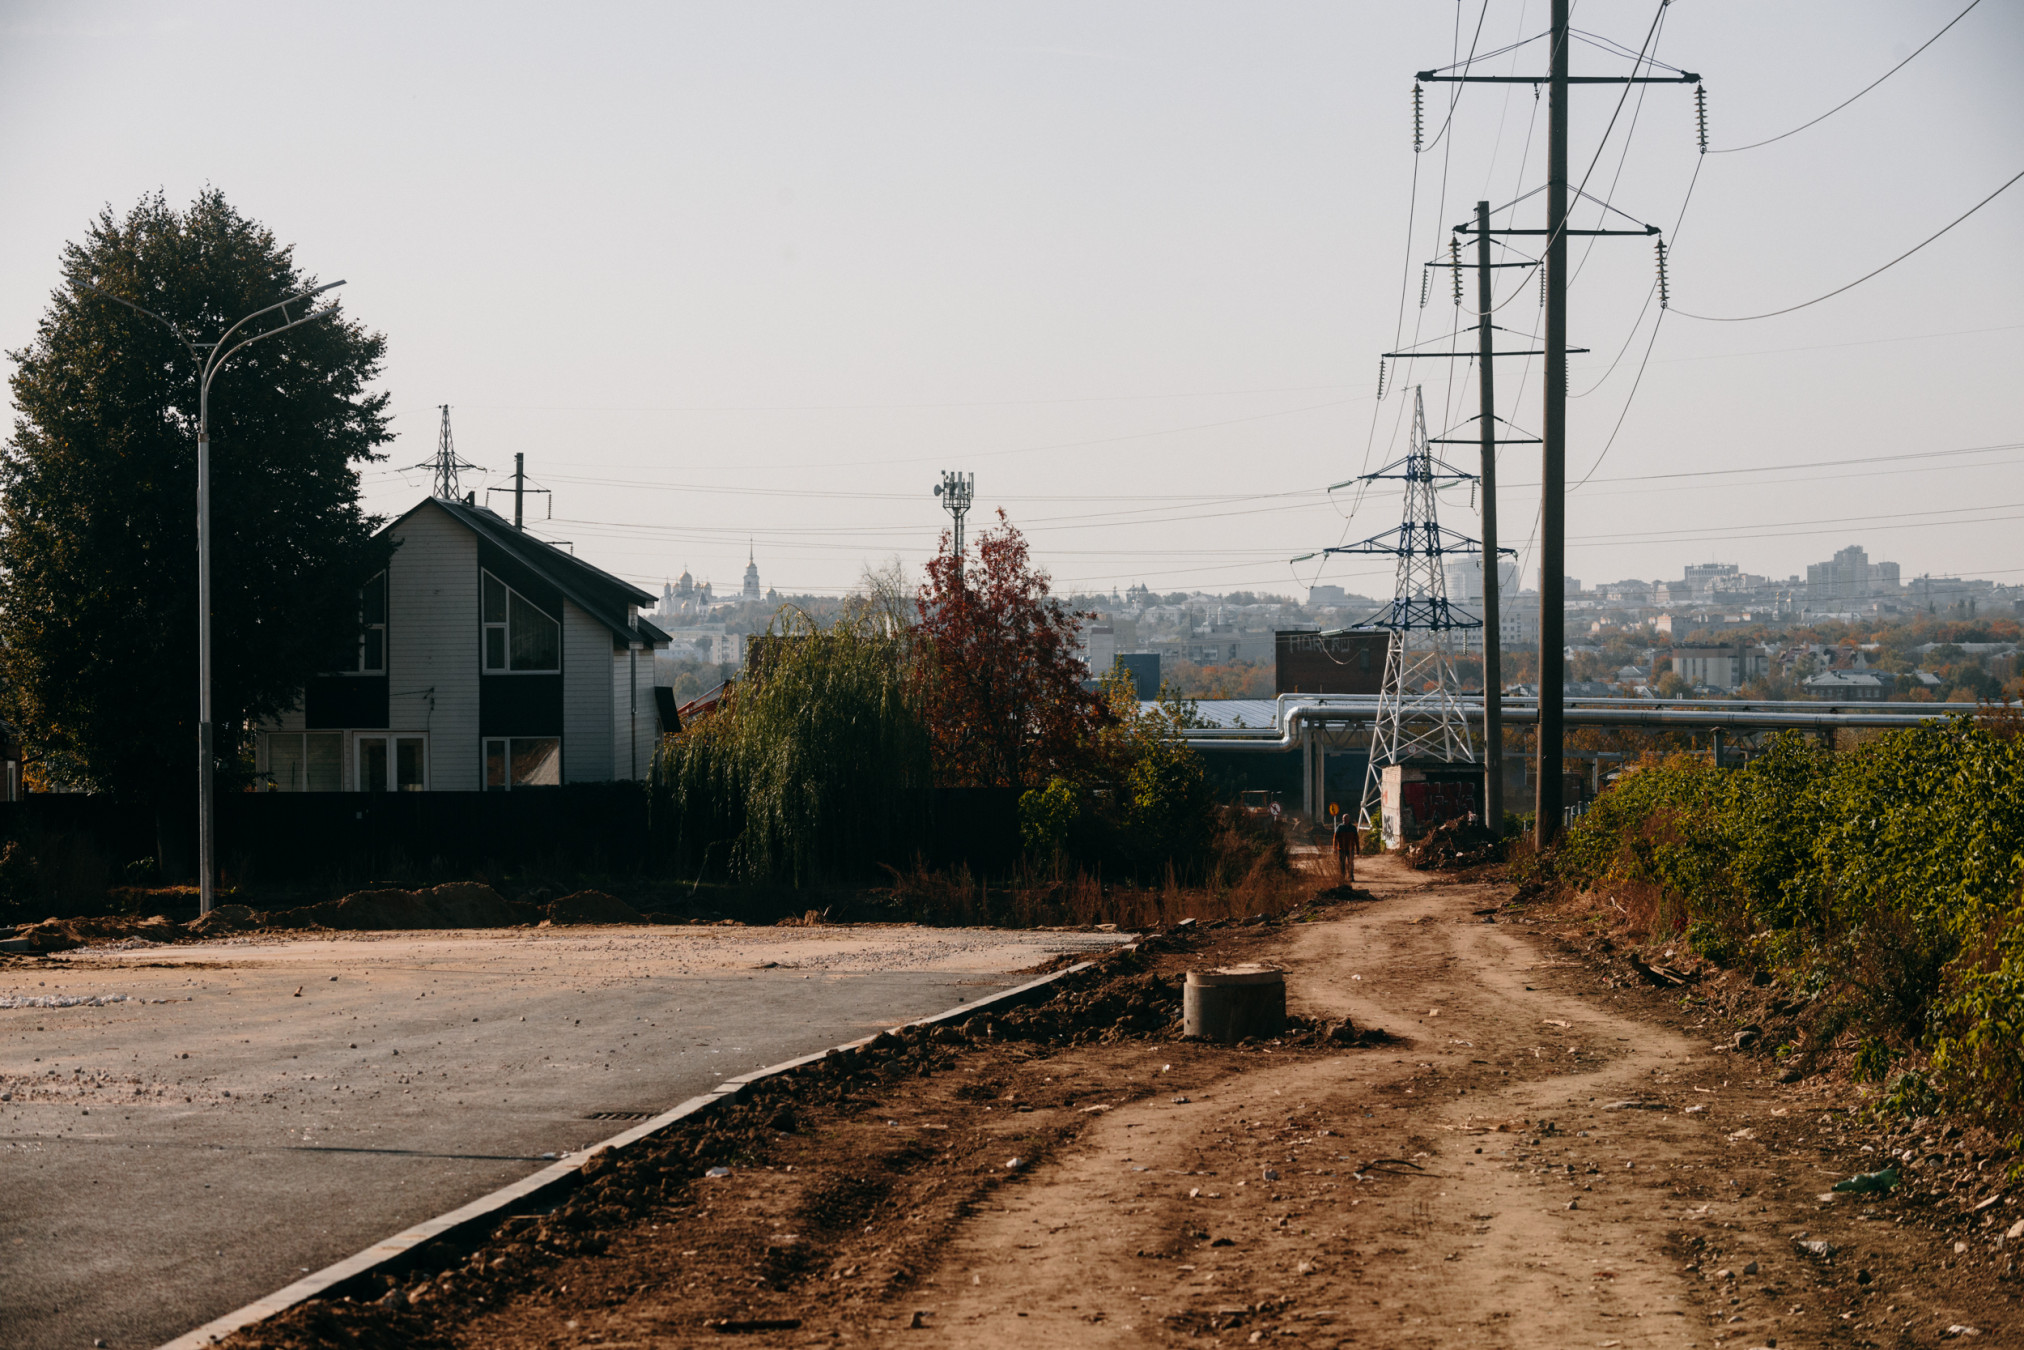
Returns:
point(1540, 1156)
point(1561, 1172)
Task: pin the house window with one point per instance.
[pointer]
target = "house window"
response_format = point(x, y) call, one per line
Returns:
point(522, 761)
point(393, 763)
point(304, 761)
point(372, 638)
point(518, 637)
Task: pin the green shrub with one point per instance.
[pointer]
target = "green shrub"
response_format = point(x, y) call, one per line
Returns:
point(1882, 882)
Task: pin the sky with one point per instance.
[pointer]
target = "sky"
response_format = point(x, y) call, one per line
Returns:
point(747, 277)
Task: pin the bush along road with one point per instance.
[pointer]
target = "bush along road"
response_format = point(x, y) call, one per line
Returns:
point(1518, 1139)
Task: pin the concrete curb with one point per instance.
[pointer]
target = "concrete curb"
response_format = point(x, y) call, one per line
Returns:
point(544, 1189)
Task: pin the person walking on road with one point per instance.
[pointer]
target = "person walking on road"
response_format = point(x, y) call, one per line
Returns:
point(1345, 848)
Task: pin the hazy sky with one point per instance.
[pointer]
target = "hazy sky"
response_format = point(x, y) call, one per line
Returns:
point(757, 272)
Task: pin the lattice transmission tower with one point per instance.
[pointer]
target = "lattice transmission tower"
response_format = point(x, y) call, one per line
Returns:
point(1419, 714)
point(446, 463)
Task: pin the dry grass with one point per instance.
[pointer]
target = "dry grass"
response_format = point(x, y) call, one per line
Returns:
point(1060, 896)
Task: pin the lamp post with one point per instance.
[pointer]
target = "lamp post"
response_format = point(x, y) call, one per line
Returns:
point(210, 357)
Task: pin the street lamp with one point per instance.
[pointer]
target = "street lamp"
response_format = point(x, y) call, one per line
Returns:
point(210, 357)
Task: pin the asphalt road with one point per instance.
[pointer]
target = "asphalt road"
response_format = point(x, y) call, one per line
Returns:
point(172, 1156)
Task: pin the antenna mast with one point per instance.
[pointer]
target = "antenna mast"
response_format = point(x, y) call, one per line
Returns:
point(955, 490)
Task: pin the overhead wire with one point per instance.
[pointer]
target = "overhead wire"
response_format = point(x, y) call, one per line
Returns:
point(1774, 313)
point(1733, 149)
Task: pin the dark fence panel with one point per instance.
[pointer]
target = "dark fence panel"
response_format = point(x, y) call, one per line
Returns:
point(270, 837)
point(974, 827)
point(276, 836)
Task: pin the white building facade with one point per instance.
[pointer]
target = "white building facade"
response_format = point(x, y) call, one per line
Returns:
point(488, 660)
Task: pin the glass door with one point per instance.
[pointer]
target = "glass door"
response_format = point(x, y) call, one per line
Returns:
point(393, 764)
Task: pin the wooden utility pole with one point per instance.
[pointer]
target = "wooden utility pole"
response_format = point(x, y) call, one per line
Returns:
point(1493, 665)
point(1553, 428)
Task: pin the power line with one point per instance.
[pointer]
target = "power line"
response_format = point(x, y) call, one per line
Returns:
point(1730, 150)
point(1772, 314)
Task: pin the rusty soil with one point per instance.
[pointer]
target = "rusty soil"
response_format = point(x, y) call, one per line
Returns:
point(1538, 1157)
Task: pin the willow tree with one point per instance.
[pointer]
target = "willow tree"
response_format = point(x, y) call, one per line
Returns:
point(812, 766)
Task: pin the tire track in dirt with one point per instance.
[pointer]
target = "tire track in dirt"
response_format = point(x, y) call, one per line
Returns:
point(1548, 1184)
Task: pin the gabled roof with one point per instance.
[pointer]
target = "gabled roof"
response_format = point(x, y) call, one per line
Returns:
point(598, 593)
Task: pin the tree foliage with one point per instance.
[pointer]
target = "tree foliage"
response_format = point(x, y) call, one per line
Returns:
point(1001, 687)
point(814, 766)
point(1882, 881)
point(98, 610)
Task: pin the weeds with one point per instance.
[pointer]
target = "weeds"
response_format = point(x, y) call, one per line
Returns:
point(1882, 882)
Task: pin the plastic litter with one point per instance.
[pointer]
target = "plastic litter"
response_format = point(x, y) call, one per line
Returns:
point(1870, 1183)
point(718, 1172)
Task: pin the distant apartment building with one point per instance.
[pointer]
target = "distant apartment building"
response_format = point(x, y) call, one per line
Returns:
point(1517, 624)
point(1721, 668)
point(1850, 575)
point(1326, 595)
point(707, 643)
point(1846, 686)
point(1704, 579)
point(1099, 649)
point(1465, 580)
point(1937, 593)
point(1216, 645)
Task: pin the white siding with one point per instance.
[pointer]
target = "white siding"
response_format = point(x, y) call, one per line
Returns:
point(633, 720)
point(432, 644)
point(586, 697)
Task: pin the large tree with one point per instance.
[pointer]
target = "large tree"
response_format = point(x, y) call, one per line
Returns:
point(98, 560)
point(1004, 700)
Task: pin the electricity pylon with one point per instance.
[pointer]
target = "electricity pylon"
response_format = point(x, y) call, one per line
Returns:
point(1419, 714)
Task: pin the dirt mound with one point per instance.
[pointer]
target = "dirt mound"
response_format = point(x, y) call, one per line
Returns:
point(225, 919)
point(1453, 844)
point(60, 935)
point(457, 904)
point(592, 907)
point(1133, 1002)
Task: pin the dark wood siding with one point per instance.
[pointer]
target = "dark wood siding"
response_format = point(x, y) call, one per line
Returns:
point(339, 702)
point(520, 705)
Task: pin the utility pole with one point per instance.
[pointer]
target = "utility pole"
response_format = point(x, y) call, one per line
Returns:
point(1493, 570)
point(955, 490)
point(1553, 420)
point(519, 485)
point(1553, 429)
point(210, 357)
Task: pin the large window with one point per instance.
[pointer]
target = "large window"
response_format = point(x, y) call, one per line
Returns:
point(372, 637)
point(522, 761)
point(304, 761)
point(393, 764)
point(518, 637)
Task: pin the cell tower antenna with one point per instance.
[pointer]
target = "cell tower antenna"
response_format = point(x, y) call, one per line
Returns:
point(955, 490)
point(445, 464)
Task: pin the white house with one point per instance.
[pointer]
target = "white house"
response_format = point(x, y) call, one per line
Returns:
point(488, 659)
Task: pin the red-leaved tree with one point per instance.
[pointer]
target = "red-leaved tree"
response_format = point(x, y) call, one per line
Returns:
point(1003, 699)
